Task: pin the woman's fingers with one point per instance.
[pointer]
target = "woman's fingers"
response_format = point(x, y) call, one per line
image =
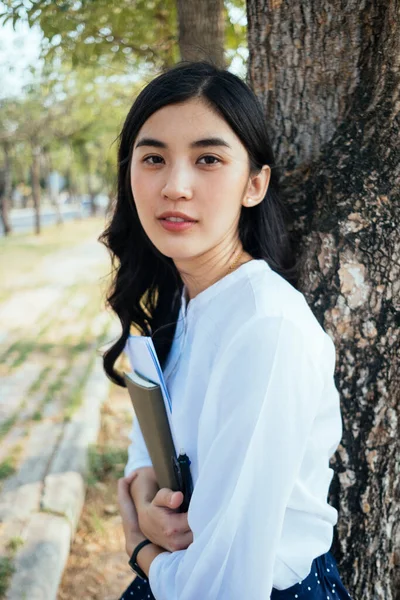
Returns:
point(126, 505)
point(129, 478)
point(124, 487)
point(180, 542)
point(168, 499)
point(162, 524)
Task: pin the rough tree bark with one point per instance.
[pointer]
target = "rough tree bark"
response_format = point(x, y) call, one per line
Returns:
point(35, 172)
point(5, 193)
point(328, 74)
point(201, 30)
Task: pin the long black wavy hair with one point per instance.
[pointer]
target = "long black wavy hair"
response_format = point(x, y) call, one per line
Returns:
point(146, 286)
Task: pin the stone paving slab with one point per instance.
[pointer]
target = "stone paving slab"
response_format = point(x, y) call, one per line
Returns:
point(23, 407)
point(83, 429)
point(37, 454)
point(40, 562)
point(15, 387)
point(18, 504)
point(64, 495)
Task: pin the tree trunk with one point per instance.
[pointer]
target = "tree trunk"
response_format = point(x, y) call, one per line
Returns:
point(201, 30)
point(5, 197)
point(340, 66)
point(36, 185)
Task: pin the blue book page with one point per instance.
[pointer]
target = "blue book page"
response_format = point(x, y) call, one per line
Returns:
point(144, 360)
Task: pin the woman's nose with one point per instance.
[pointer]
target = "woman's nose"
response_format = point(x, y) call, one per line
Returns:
point(178, 183)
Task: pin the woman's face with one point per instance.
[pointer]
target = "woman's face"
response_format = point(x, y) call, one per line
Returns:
point(187, 159)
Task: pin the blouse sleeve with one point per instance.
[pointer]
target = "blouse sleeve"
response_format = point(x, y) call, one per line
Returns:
point(138, 455)
point(262, 398)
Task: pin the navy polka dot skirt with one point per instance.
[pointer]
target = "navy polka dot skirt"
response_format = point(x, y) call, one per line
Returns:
point(322, 583)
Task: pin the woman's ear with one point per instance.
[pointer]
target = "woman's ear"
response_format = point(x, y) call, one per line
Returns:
point(257, 187)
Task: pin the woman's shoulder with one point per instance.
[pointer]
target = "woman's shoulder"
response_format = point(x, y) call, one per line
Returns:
point(247, 307)
point(266, 296)
point(273, 295)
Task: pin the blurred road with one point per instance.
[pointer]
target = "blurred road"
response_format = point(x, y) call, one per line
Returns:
point(23, 220)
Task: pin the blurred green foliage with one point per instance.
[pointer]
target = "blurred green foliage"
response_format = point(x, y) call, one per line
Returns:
point(73, 117)
point(95, 32)
point(129, 34)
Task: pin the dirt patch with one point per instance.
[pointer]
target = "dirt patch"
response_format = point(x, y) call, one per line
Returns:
point(97, 568)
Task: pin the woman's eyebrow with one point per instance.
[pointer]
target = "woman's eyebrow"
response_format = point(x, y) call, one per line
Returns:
point(212, 141)
point(150, 142)
point(204, 143)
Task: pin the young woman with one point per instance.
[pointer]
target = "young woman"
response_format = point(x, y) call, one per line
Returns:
point(204, 267)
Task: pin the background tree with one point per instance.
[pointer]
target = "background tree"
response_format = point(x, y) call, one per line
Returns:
point(327, 74)
point(132, 36)
point(8, 127)
point(101, 34)
point(5, 188)
point(66, 120)
point(201, 30)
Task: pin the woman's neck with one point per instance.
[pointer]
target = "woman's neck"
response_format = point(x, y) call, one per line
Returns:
point(202, 277)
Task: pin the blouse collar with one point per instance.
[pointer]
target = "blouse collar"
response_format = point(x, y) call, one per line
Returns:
point(252, 266)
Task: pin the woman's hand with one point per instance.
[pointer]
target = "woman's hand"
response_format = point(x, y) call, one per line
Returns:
point(161, 524)
point(130, 522)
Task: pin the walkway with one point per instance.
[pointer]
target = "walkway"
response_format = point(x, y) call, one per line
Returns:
point(52, 387)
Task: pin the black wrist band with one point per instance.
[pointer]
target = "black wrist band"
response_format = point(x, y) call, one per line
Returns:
point(133, 559)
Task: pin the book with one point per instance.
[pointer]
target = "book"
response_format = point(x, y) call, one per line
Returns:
point(143, 359)
point(152, 404)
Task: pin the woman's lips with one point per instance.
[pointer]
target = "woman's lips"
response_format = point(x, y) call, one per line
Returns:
point(177, 225)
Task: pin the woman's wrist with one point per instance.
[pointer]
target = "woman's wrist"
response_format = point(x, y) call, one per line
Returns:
point(146, 555)
point(132, 540)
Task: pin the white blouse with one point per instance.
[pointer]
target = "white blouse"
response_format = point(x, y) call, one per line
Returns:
point(254, 405)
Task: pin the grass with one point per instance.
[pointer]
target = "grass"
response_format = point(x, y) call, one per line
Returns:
point(6, 425)
point(95, 522)
point(8, 465)
point(104, 461)
point(6, 571)
point(7, 468)
point(15, 543)
point(41, 379)
point(24, 348)
point(55, 386)
point(7, 564)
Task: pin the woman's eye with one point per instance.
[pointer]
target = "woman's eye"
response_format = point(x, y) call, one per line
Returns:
point(153, 159)
point(210, 160)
